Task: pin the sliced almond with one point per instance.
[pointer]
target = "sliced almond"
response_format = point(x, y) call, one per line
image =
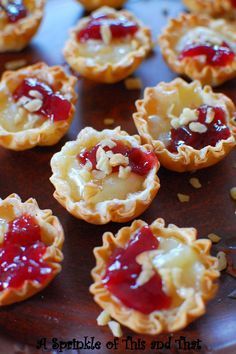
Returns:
point(115, 328)
point(188, 115)
point(197, 127)
point(106, 33)
point(33, 105)
point(36, 94)
point(210, 115)
point(103, 161)
point(119, 159)
point(108, 143)
point(103, 318)
point(124, 172)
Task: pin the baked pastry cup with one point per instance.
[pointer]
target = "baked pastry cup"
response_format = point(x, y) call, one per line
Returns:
point(201, 48)
point(214, 8)
point(19, 22)
point(108, 45)
point(31, 240)
point(36, 106)
point(95, 4)
point(105, 176)
point(154, 279)
point(189, 126)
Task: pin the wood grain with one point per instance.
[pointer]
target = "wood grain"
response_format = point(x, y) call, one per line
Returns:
point(66, 309)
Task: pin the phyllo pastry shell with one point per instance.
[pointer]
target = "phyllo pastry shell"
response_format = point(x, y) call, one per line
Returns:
point(36, 106)
point(201, 48)
point(105, 176)
point(154, 279)
point(95, 4)
point(31, 240)
point(108, 45)
point(19, 21)
point(189, 126)
point(214, 8)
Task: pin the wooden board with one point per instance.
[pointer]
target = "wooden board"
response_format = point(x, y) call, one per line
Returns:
point(66, 309)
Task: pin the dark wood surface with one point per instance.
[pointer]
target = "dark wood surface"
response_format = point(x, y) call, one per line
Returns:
point(66, 309)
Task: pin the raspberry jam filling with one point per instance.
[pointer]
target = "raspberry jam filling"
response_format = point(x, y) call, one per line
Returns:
point(216, 130)
point(215, 55)
point(14, 9)
point(54, 105)
point(233, 2)
point(120, 27)
point(21, 254)
point(123, 270)
point(140, 162)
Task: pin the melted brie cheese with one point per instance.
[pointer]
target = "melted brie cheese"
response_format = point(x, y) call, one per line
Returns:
point(174, 254)
point(98, 52)
point(112, 187)
point(14, 118)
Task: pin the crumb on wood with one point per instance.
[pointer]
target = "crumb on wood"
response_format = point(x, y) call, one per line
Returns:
point(15, 64)
point(183, 198)
point(214, 238)
point(133, 83)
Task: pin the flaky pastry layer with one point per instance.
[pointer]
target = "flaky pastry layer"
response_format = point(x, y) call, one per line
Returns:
point(108, 72)
point(52, 235)
point(15, 36)
point(193, 67)
point(176, 96)
point(175, 318)
point(117, 210)
point(48, 132)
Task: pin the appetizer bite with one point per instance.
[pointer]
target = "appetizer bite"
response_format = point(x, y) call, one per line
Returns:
point(36, 106)
point(201, 48)
point(154, 279)
point(30, 248)
point(214, 8)
point(105, 176)
point(19, 21)
point(95, 4)
point(108, 45)
point(189, 126)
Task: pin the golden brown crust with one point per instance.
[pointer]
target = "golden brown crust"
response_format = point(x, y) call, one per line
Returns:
point(158, 321)
point(16, 36)
point(48, 133)
point(108, 72)
point(52, 235)
point(117, 210)
point(214, 8)
point(193, 67)
point(95, 4)
point(156, 99)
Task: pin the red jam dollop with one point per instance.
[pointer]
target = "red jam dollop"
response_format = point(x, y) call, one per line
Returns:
point(215, 55)
point(123, 270)
point(54, 105)
point(120, 27)
point(21, 254)
point(15, 10)
point(216, 130)
point(140, 162)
